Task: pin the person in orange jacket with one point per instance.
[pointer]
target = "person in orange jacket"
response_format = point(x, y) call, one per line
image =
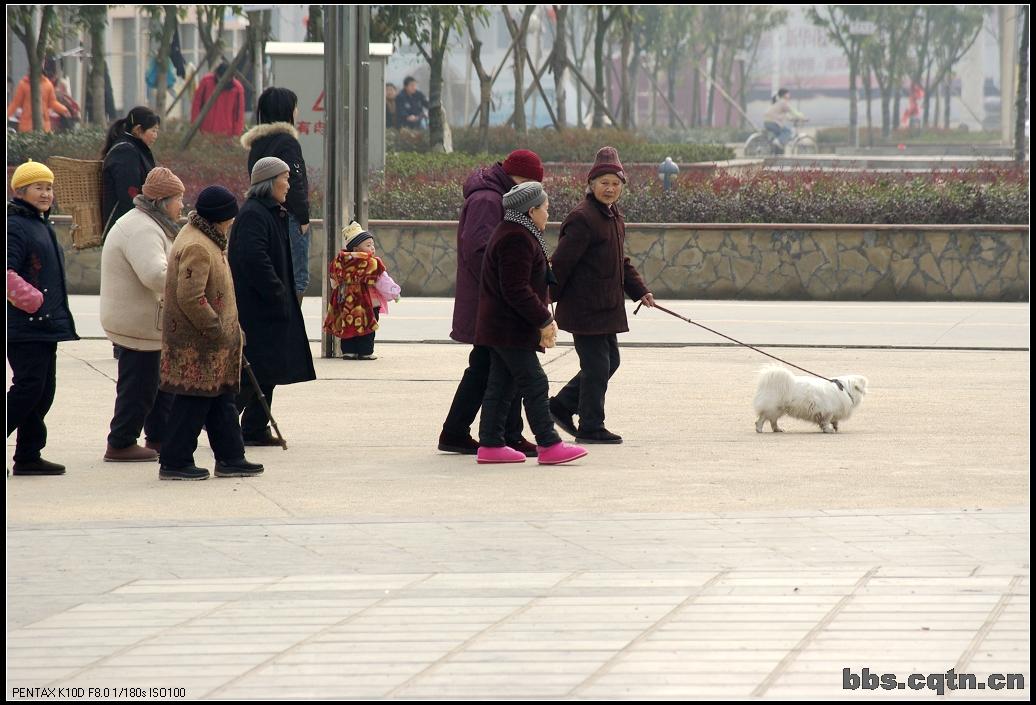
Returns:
point(23, 99)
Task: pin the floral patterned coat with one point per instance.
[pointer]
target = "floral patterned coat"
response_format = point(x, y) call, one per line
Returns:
point(201, 336)
point(350, 313)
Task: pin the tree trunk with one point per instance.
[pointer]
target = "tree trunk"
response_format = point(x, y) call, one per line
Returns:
point(440, 36)
point(711, 104)
point(162, 60)
point(927, 97)
point(315, 24)
point(559, 62)
point(654, 96)
point(670, 80)
point(854, 102)
point(97, 68)
point(599, 35)
point(946, 106)
point(485, 84)
point(696, 96)
point(1023, 80)
point(869, 94)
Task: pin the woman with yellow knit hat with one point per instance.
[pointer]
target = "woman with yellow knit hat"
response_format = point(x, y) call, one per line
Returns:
point(38, 316)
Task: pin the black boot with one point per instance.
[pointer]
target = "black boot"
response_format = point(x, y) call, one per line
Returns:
point(38, 467)
point(191, 472)
point(562, 417)
point(601, 435)
point(238, 468)
point(465, 445)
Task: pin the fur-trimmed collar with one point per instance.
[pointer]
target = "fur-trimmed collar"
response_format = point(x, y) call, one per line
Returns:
point(208, 229)
point(272, 128)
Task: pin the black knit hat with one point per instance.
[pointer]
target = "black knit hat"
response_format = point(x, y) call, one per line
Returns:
point(216, 204)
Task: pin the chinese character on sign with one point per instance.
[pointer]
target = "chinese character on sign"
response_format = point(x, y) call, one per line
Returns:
point(303, 128)
point(318, 128)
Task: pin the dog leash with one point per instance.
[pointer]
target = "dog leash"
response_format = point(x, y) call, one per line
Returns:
point(751, 347)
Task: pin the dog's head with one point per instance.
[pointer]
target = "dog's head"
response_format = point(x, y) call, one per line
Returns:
point(856, 385)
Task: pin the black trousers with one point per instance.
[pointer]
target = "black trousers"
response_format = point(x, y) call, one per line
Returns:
point(138, 402)
point(584, 394)
point(468, 398)
point(254, 420)
point(186, 417)
point(516, 371)
point(34, 379)
point(364, 344)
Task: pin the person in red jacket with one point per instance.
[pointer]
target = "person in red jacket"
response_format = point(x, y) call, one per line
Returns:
point(227, 116)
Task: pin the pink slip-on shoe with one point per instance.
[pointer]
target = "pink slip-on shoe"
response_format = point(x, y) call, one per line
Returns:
point(503, 454)
point(559, 453)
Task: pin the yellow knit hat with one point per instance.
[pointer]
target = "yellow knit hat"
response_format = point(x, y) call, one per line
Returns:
point(30, 173)
point(351, 230)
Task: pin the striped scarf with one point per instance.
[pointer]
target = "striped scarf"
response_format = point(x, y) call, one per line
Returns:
point(525, 221)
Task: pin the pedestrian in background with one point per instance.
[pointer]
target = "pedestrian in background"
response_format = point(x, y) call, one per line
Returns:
point(227, 115)
point(22, 101)
point(411, 106)
point(201, 345)
point(134, 260)
point(127, 162)
point(38, 315)
point(593, 272)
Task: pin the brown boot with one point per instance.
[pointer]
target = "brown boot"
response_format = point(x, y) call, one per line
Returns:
point(132, 454)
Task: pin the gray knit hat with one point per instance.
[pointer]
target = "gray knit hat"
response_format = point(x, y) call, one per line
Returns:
point(268, 168)
point(525, 196)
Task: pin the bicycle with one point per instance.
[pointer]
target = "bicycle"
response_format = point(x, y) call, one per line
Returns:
point(764, 144)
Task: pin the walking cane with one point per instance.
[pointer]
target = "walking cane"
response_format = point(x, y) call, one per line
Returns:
point(262, 400)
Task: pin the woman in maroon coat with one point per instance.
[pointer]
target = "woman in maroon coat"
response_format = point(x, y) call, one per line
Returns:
point(515, 323)
point(593, 272)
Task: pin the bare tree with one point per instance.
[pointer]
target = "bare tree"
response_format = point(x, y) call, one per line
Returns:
point(1023, 84)
point(519, 30)
point(837, 21)
point(603, 21)
point(472, 14)
point(559, 62)
point(887, 53)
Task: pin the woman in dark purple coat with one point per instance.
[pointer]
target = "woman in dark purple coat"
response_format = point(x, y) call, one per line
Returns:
point(515, 323)
point(593, 272)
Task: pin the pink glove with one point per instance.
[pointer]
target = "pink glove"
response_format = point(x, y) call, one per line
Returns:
point(22, 294)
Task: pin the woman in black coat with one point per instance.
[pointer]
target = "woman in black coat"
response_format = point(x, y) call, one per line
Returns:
point(127, 161)
point(259, 253)
point(276, 136)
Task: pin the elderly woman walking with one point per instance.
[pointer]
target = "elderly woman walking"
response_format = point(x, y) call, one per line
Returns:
point(134, 261)
point(593, 272)
point(201, 345)
point(260, 259)
point(515, 323)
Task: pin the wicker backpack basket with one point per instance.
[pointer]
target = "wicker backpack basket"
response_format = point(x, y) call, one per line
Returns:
point(77, 185)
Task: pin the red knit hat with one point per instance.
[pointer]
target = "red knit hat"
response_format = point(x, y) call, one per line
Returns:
point(524, 163)
point(606, 162)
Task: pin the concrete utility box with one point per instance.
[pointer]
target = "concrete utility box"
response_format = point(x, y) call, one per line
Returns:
point(300, 67)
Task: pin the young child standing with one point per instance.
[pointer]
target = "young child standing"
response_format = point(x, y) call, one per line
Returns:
point(362, 288)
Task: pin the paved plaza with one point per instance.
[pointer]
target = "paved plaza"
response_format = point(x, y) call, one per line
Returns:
point(697, 560)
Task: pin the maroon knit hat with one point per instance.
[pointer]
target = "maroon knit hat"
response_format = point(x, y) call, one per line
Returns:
point(524, 163)
point(606, 162)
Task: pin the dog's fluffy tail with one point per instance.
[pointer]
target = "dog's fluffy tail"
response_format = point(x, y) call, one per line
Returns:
point(775, 385)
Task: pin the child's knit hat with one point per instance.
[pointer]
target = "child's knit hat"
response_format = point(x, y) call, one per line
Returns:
point(354, 235)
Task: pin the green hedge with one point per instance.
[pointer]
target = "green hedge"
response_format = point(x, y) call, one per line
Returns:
point(984, 197)
point(840, 136)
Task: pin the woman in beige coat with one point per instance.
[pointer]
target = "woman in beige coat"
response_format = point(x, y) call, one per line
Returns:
point(201, 345)
point(133, 267)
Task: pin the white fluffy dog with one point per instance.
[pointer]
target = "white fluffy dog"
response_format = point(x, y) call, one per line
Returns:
point(813, 399)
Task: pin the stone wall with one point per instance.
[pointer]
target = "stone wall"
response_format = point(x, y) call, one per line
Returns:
point(797, 262)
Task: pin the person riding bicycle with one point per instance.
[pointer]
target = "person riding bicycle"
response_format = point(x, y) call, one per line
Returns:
point(779, 114)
